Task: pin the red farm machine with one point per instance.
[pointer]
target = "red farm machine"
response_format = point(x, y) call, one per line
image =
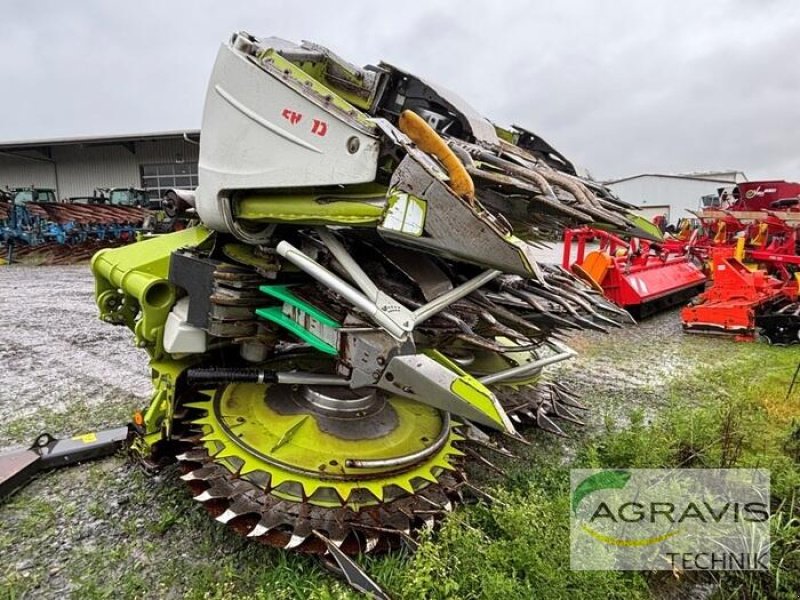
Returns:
point(742, 301)
point(637, 274)
point(764, 213)
point(750, 242)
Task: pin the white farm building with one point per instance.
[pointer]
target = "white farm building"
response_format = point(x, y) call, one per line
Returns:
point(76, 166)
point(672, 195)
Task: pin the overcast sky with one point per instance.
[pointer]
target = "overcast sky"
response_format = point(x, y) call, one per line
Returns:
point(619, 87)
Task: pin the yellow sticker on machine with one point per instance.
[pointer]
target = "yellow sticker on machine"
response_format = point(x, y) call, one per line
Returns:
point(86, 438)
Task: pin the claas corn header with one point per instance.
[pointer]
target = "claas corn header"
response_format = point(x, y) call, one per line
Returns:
point(361, 304)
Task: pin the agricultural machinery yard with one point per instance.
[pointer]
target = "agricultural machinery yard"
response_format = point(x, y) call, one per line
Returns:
point(108, 529)
point(331, 331)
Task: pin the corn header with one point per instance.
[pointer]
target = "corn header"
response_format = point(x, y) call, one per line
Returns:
point(361, 304)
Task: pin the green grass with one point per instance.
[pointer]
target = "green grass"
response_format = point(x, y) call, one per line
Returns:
point(730, 415)
point(79, 417)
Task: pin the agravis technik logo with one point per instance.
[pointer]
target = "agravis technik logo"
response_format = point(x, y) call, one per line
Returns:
point(709, 519)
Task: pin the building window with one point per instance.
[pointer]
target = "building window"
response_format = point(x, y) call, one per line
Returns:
point(157, 179)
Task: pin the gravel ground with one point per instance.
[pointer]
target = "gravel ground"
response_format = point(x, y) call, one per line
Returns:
point(55, 351)
point(83, 531)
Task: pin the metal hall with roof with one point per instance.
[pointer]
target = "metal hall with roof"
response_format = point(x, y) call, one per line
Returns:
point(76, 166)
point(672, 195)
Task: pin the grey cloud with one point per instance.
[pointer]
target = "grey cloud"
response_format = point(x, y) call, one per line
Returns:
point(619, 86)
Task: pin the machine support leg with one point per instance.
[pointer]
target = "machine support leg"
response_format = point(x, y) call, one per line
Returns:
point(19, 467)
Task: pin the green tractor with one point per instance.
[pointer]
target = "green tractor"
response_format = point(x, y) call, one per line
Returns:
point(362, 303)
point(121, 196)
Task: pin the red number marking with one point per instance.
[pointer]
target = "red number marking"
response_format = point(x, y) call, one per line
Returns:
point(292, 116)
point(319, 127)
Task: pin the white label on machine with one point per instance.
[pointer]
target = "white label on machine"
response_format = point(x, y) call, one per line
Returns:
point(406, 214)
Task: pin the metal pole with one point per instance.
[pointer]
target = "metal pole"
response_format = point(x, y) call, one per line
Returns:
point(564, 352)
point(436, 305)
point(341, 287)
point(351, 266)
point(566, 253)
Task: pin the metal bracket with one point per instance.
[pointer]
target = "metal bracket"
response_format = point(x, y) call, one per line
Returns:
point(390, 315)
point(20, 467)
point(344, 289)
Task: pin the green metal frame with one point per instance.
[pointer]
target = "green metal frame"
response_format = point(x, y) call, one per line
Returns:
point(132, 289)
